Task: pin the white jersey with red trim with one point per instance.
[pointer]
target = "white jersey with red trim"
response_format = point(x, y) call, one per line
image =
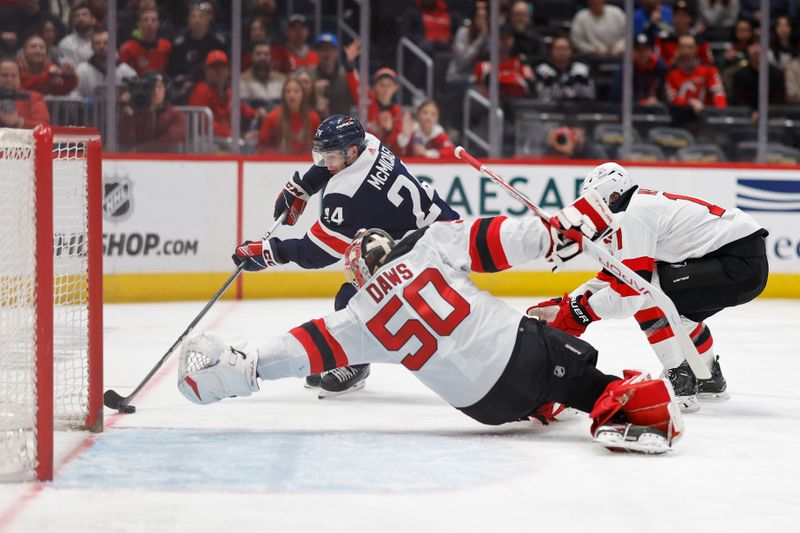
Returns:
point(661, 227)
point(423, 311)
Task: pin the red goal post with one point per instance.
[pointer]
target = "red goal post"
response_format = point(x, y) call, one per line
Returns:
point(51, 278)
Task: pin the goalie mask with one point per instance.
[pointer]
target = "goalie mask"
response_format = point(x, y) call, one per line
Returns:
point(610, 180)
point(366, 254)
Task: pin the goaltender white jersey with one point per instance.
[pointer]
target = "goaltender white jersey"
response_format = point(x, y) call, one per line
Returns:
point(423, 311)
point(661, 227)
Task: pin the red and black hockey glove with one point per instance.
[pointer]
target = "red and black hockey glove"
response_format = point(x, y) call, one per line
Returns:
point(293, 199)
point(574, 314)
point(256, 255)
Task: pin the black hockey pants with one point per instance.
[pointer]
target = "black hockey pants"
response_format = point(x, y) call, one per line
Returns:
point(732, 275)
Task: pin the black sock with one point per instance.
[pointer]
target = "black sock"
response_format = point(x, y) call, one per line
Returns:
point(584, 391)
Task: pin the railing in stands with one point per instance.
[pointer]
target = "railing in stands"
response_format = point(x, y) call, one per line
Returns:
point(407, 44)
point(67, 110)
point(199, 129)
point(472, 136)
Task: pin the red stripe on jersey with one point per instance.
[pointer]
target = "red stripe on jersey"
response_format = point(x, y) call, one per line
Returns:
point(336, 348)
point(474, 257)
point(661, 335)
point(637, 264)
point(495, 246)
point(696, 331)
point(649, 314)
point(314, 356)
point(582, 205)
point(336, 243)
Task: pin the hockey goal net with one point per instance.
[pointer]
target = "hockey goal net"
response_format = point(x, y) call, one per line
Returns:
point(50, 293)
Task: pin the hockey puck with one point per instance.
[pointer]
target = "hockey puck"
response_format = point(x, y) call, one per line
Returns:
point(127, 409)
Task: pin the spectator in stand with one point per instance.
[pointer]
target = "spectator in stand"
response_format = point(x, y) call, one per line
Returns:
point(599, 29)
point(296, 52)
point(267, 10)
point(751, 9)
point(429, 138)
point(691, 85)
point(782, 47)
point(21, 18)
point(260, 82)
point(148, 52)
point(651, 18)
point(745, 82)
point(48, 32)
point(92, 73)
point(718, 13)
point(28, 109)
point(77, 46)
point(571, 143)
point(256, 31)
point(60, 9)
point(527, 42)
point(332, 80)
point(667, 43)
point(215, 93)
point(470, 44)
point(792, 75)
point(735, 56)
point(128, 20)
point(190, 48)
point(384, 116)
point(429, 24)
point(516, 78)
point(304, 77)
point(560, 78)
point(99, 9)
point(649, 75)
point(151, 126)
point(37, 73)
point(290, 127)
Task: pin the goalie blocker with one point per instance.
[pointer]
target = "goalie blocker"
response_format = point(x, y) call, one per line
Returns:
point(481, 356)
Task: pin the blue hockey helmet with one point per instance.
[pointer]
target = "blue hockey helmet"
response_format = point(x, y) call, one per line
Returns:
point(337, 133)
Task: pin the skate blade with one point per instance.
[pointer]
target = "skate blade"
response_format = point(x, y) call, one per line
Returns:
point(323, 393)
point(649, 444)
point(688, 404)
point(724, 395)
point(308, 385)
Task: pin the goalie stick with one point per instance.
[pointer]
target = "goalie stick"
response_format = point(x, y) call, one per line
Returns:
point(113, 400)
point(614, 266)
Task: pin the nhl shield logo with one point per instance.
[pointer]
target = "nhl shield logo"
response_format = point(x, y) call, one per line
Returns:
point(117, 198)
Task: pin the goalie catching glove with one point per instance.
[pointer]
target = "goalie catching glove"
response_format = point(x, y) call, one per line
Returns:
point(256, 255)
point(588, 216)
point(292, 199)
point(569, 314)
point(210, 370)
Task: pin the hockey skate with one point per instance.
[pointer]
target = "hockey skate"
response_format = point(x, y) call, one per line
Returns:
point(343, 380)
point(313, 381)
point(714, 388)
point(622, 437)
point(685, 385)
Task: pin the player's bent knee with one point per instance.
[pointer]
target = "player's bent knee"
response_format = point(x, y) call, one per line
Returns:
point(211, 370)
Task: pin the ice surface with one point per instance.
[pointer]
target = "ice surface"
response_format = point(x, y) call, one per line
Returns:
point(394, 457)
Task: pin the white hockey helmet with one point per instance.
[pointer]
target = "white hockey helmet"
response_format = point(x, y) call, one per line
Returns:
point(609, 179)
point(366, 254)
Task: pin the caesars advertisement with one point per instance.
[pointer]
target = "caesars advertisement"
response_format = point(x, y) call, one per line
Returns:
point(168, 216)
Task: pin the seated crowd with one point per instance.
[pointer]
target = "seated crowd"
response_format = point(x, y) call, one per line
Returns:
point(687, 57)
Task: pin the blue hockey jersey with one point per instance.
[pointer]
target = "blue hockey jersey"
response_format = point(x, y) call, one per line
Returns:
point(376, 191)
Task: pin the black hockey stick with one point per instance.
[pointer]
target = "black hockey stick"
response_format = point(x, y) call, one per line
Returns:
point(113, 400)
point(613, 265)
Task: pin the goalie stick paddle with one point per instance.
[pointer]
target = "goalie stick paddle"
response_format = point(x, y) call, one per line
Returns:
point(615, 267)
point(113, 400)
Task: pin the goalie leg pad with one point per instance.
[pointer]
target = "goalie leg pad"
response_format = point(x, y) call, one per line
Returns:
point(210, 370)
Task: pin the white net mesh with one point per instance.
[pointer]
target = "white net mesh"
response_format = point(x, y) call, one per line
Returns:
point(70, 287)
point(17, 305)
point(18, 265)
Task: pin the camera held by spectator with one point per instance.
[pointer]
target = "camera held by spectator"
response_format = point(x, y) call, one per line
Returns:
point(148, 122)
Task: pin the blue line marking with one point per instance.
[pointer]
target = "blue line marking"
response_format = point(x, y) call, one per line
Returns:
point(263, 461)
